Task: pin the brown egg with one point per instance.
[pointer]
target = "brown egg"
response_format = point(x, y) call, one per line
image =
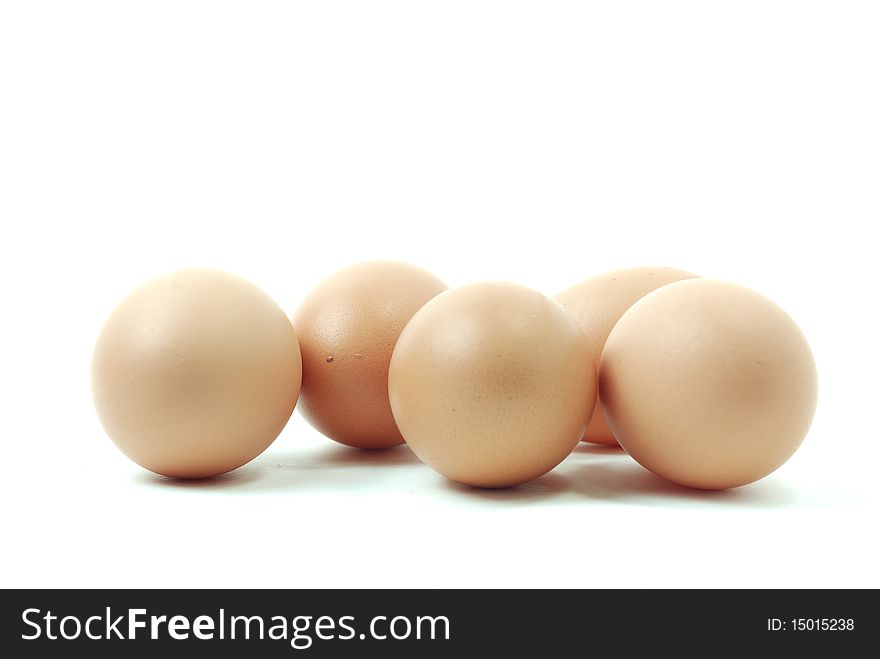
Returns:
point(492, 384)
point(708, 384)
point(347, 329)
point(195, 373)
point(597, 304)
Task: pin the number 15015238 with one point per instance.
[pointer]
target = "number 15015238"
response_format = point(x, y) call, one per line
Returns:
point(811, 624)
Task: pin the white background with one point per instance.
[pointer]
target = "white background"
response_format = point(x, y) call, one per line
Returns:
point(540, 142)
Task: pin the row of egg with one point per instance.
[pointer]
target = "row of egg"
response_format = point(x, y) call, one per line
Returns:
point(705, 383)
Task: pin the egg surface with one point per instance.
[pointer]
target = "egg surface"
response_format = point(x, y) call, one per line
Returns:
point(708, 384)
point(195, 373)
point(597, 304)
point(347, 328)
point(492, 384)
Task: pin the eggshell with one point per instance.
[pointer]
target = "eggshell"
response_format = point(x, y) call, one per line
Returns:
point(597, 304)
point(708, 384)
point(195, 373)
point(492, 384)
point(347, 328)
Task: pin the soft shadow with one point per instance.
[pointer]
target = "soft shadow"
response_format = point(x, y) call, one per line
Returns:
point(346, 455)
point(334, 466)
point(598, 449)
point(595, 474)
point(545, 487)
point(631, 483)
point(238, 478)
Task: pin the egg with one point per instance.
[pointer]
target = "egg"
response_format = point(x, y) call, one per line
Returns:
point(492, 384)
point(347, 328)
point(195, 373)
point(708, 384)
point(597, 304)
